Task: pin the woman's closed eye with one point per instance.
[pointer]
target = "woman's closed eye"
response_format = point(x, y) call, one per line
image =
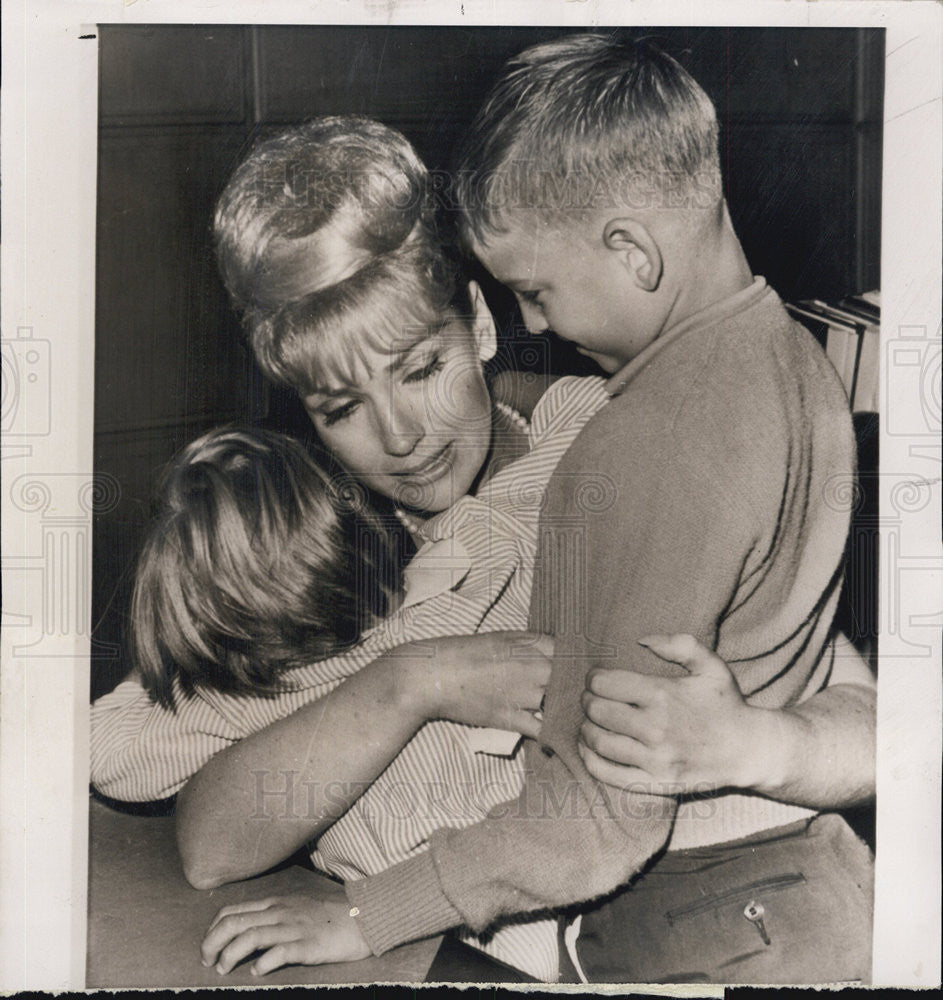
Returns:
point(345, 410)
point(339, 412)
point(434, 365)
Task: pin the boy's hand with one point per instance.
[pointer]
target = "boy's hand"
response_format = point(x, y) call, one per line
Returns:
point(297, 929)
point(669, 735)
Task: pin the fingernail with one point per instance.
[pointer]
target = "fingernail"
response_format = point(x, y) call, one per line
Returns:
point(651, 640)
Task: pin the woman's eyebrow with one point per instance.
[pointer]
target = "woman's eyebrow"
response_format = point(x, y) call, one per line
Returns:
point(403, 356)
point(320, 396)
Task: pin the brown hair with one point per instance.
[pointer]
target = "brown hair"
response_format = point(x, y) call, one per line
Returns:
point(257, 562)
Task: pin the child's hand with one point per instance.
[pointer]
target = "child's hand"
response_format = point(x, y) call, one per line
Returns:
point(494, 679)
point(670, 736)
point(287, 930)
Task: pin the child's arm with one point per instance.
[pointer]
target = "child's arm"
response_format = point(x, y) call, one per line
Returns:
point(258, 801)
point(141, 751)
point(686, 506)
point(690, 734)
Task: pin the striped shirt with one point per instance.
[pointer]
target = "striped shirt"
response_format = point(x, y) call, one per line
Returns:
point(477, 567)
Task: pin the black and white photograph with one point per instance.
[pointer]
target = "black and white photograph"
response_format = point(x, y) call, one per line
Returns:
point(471, 501)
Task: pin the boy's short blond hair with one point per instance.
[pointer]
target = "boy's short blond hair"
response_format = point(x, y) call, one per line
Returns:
point(587, 122)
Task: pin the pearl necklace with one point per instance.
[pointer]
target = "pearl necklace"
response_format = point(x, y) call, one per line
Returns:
point(517, 420)
point(410, 523)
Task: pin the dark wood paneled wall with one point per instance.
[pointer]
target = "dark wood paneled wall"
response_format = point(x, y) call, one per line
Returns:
point(180, 106)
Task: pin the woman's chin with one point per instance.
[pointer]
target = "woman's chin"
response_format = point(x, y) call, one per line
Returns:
point(441, 496)
point(428, 498)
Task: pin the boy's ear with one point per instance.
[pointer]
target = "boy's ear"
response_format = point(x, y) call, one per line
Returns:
point(640, 252)
point(484, 329)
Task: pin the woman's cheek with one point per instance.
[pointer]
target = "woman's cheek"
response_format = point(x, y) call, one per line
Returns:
point(454, 397)
point(350, 446)
point(466, 403)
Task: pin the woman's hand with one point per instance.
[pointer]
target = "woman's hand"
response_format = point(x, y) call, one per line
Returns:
point(492, 679)
point(297, 929)
point(670, 735)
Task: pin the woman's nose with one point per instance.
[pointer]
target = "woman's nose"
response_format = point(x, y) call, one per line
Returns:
point(401, 430)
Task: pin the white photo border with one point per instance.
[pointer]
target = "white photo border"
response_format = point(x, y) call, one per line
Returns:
point(49, 122)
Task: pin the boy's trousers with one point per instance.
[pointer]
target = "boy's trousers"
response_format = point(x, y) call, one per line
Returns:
point(786, 906)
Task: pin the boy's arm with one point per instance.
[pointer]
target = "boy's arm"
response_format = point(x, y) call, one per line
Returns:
point(696, 732)
point(569, 838)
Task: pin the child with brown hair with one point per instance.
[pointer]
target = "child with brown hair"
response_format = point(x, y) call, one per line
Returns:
point(256, 563)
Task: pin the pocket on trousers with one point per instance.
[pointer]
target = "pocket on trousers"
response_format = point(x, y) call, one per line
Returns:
point(740, 933)
point(737, 895)
point(790, 907)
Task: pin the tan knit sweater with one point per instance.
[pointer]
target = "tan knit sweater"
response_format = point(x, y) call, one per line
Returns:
point(711, 495)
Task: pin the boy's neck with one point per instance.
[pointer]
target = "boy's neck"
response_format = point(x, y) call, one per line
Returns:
point(716, 269)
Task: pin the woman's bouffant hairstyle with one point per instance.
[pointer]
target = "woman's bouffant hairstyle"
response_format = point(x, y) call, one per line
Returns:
point(587, 122)
point(327, 242)
point(257, 562)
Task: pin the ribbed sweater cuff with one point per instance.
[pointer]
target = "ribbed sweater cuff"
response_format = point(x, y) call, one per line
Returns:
point(402, 904)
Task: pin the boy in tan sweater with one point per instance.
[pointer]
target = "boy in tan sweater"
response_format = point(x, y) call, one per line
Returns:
point(591, 187)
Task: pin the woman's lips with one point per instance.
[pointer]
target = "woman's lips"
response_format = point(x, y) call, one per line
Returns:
point(433, 468)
